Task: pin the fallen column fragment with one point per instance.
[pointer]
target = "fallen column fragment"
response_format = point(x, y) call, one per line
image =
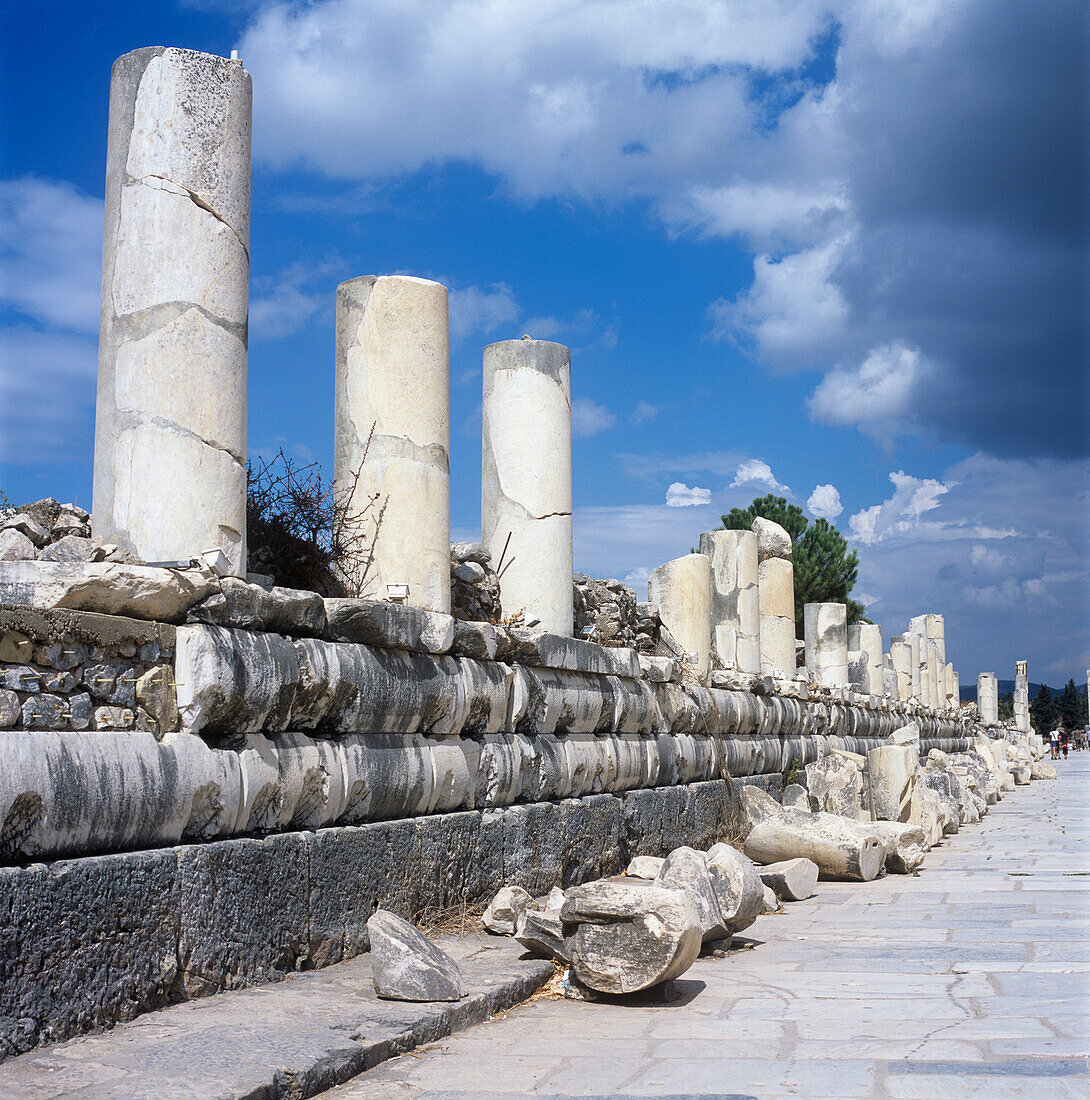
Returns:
point(625, 936)
point(407, 966)
point(891, 776)
point(839, 849)
point(737, 885)
point(791, 880)
point(904, 845)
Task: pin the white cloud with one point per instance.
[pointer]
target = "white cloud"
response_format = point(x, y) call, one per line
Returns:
point(47, 396)
point(901, 514)
point(589, 418)
point(824, 502)
point(51, 247)
point(475, 309)
point(643, 412)
point(755, 472)
point(679, 495)
point(878, 396)
point(282, 304)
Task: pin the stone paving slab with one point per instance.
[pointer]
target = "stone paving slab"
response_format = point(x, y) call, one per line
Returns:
point(969, 980)
point(292, 1039)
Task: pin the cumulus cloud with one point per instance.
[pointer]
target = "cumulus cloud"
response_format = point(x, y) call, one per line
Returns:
point(680, 495)
point(51, 247)
point(475, 309)
point(757, 473)
point(902, 513)
point(589, 418)
point(824, 502)
point(281, 305)
point(643, 412)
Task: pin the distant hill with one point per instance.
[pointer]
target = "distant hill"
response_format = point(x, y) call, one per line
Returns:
point(968, 691)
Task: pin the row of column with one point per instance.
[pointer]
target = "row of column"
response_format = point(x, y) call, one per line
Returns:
point(170, 428)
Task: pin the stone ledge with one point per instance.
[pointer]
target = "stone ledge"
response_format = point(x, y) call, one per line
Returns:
point(307, 1034)
point(93, 941)
point(86, 627)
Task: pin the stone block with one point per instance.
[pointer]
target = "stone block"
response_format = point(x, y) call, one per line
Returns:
point(270, 610)
point(540, 649)
point(244, 912)
point(84, 944)
point(390, 625)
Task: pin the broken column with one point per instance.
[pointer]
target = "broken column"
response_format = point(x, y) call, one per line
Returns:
point(826, 631)
point(987, 698)
point(900, 655)
point(949, 690)
point(1021, 696)
point(682, 591)
point(936, 678)
point(526, 498)
point(393, 433)
point(736, 613)
point(170, 418)
point(776, 599)
point(867, 638)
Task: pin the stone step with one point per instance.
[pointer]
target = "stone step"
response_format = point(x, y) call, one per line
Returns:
point(293, 1038)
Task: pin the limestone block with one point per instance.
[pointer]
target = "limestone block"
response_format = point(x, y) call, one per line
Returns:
point(526, 495)
point(622, 936)
point(776, 588)
point(682, 591)
point(144, 793)
point(250, 607)
point(15, 546)
point(736, 612)
point(170, 425)
point(135, 591)
point(659, 670)
point(773, 541)
point(891, 777)
point(791, 880)
point(645, 867)
point(904, 844)
point(394, 626)
point(406, 966)
point(392, 397)
point(478, 640)
point(867, 638)
point(543, 934)
point(796, 797)
point(503, 911)
point(234, 681)
point(27, 526)
point(834, 785)
point(686, 870)
point(737, 885)
point(542, 649)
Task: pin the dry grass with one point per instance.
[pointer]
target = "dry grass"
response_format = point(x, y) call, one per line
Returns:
point(460, 920)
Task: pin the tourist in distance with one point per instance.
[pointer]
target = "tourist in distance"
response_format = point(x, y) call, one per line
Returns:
point(1054, 743)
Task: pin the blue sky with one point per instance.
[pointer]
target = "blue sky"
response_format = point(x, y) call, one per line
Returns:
point(830, 249)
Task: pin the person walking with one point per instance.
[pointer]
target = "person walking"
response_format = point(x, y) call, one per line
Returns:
point(1054, 743)
point(1065, 739)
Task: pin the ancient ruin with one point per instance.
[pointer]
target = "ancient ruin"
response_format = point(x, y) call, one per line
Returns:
point(252, 780)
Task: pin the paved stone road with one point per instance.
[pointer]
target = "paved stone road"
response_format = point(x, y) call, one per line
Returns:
point(972, 979)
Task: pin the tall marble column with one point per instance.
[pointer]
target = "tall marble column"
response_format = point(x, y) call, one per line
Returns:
point(682, 591)
point(526, 493)
point(936, 683)
point(776, 598)
point(392, 387)
point(170, 417)
point(1021, 696)
point(736, 612)
point(987, 698)
point(826, 632)
point(867, 638)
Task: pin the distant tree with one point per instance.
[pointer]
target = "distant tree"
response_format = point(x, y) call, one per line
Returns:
point(1071, 707)
point(825, 570)
point(1006, 707)
point(1044, 711)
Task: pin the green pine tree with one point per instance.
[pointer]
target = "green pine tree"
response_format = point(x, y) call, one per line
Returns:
point(1071, 707)
point(825, 570)
point(1044, 711)
point(1006, 707)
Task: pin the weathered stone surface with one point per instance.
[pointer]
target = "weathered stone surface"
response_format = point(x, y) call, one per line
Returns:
point(834, 786)
point(526, 488)
point(833, 843)
point(44, 712)
point(70, 548)
point(407, 966)
point(905, 844)
point(738, 887)
point(646, 867)
point(893, 784)
point(27, 526)
point(234, 681)
point(658, 670)
point(10, 711)
point(773, 541)
point(252, 607)
point(85, 943)
point(541, 649)
point(791, 880)
point(15, 546)
point(478, 640)
point(796, 797)
point(776, 595)
point(170, 423)
point(542, 932)
point(736, 613)
point(137, 591)
point(390, 625)
point(686, 869)
point(682, 591)
point(504, 909)
point(625, 936)
point(827, 643)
